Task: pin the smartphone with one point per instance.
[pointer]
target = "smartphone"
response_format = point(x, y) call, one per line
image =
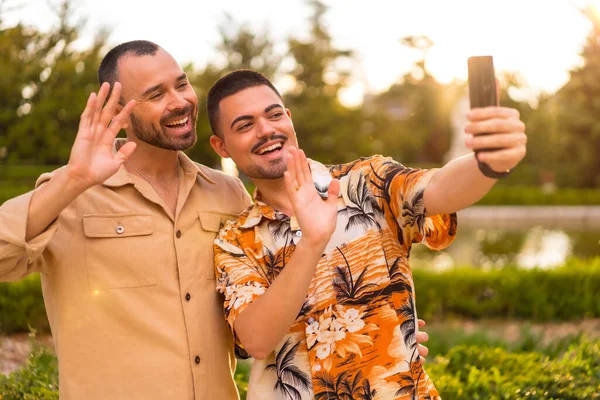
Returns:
point(482, 81)
point(482, 87)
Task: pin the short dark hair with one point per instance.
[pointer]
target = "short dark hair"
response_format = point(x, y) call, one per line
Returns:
point(229, 85)
point(109, 66)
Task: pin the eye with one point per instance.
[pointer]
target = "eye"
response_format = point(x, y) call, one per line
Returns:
point(244, 126)
point(276, 115)
point(156, 96)
point(182, 85)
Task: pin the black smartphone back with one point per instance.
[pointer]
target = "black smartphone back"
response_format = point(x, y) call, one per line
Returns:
point(482, 81)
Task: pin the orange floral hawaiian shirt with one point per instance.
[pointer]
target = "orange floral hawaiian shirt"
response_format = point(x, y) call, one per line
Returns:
point(355, 335)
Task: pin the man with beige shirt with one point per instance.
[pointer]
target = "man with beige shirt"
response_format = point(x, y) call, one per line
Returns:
point(123, 242)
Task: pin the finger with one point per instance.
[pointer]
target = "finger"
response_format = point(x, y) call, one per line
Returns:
point(291, 164)
point(117, 122)
point(125, 151)
point(481, 113)
point(306, 174)
point(300, 178)
point(495, 125)
point(422, 337)
point(108, 112)
point(498, 140)
point(333, 191)
point(290, 184)
point(422, 360)
point(501, 160)
point(423, 351)
point(102, 93)
point(421, 323)
point(86, 115)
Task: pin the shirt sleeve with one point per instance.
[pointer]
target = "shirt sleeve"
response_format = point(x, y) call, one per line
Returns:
point(19, 257)
point(400, 190)
point(240, 277)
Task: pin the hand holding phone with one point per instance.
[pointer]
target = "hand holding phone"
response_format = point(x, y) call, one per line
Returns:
point(482, 93)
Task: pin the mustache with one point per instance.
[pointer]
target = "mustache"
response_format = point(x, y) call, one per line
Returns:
point(265, 140)
point(178, 113)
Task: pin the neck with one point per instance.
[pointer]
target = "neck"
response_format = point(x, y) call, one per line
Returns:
point(155, 163)
point(272, 192)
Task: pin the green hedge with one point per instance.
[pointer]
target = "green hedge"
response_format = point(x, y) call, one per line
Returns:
point(22, 306)
point(466, 372)
point(470, 372)
point(566, 293)
point(504, 195)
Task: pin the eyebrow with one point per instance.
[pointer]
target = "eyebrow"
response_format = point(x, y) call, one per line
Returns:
point(245, 117)
point(148, 91)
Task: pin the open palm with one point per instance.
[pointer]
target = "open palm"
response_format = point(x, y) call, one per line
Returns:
point(317, 217)
point(92, 160)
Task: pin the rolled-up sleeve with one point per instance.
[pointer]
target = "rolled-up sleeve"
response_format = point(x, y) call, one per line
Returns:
point(19, 257)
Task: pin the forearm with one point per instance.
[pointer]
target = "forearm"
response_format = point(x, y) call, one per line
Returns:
point(49, 200)
point(457, 185)
point(262, 325)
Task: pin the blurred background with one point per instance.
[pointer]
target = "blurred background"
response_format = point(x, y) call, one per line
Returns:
point(522, 280)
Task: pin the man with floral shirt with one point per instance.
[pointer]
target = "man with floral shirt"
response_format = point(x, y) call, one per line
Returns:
point(315, 274)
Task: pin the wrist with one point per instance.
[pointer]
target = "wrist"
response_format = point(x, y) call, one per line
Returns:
point(71, 183)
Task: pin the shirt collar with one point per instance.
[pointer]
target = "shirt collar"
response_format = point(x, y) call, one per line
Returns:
point(259, 210)
point(122, 177)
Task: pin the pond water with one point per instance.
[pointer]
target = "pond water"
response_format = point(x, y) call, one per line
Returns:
point(528, 247)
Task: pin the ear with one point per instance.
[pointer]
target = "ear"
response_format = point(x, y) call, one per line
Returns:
point(289, 113)
point(219, 146)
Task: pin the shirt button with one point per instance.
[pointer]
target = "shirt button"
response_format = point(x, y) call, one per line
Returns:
point(178, 234)
point(120, 229)
point(299, 233)
point(188, 296)
point(197, 360)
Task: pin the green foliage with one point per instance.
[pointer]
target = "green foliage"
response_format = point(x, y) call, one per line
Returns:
point(22, 306)
point(565, 293)
point(470, 372)
point(503, 195)
point(242, 375)
point(578, 107)
point(36, 380)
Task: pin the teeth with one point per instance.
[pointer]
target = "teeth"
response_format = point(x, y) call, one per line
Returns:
point(178, 122)
point(273, 147)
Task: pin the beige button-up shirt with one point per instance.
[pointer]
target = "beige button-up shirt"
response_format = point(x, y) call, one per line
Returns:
point(129, 289)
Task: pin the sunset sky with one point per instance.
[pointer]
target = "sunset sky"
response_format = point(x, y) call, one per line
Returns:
point(539, 38)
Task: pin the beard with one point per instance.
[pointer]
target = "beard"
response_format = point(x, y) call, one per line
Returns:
point(276, 168)
point(273, 172)
point(147, 132)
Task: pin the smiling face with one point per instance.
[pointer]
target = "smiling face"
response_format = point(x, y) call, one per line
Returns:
point(256, 131)
point(166, 107)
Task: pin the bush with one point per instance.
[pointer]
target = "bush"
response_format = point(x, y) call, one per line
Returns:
point(466, 372)
point(502, 195)
point(36, 380)
point(566, 293)
point(22, 306)
point(470, 372)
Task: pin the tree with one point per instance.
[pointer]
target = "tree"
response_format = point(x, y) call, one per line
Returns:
point(579, 108)
point(241, 49)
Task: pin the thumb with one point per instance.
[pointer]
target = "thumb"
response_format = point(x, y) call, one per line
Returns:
point(125, 151)
point(333, 191)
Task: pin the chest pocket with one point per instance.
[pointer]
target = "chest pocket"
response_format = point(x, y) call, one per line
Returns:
point(211, 222)
point(119, 251)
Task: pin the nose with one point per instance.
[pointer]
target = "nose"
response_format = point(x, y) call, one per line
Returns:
point(264, 128)
point(177, 101)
